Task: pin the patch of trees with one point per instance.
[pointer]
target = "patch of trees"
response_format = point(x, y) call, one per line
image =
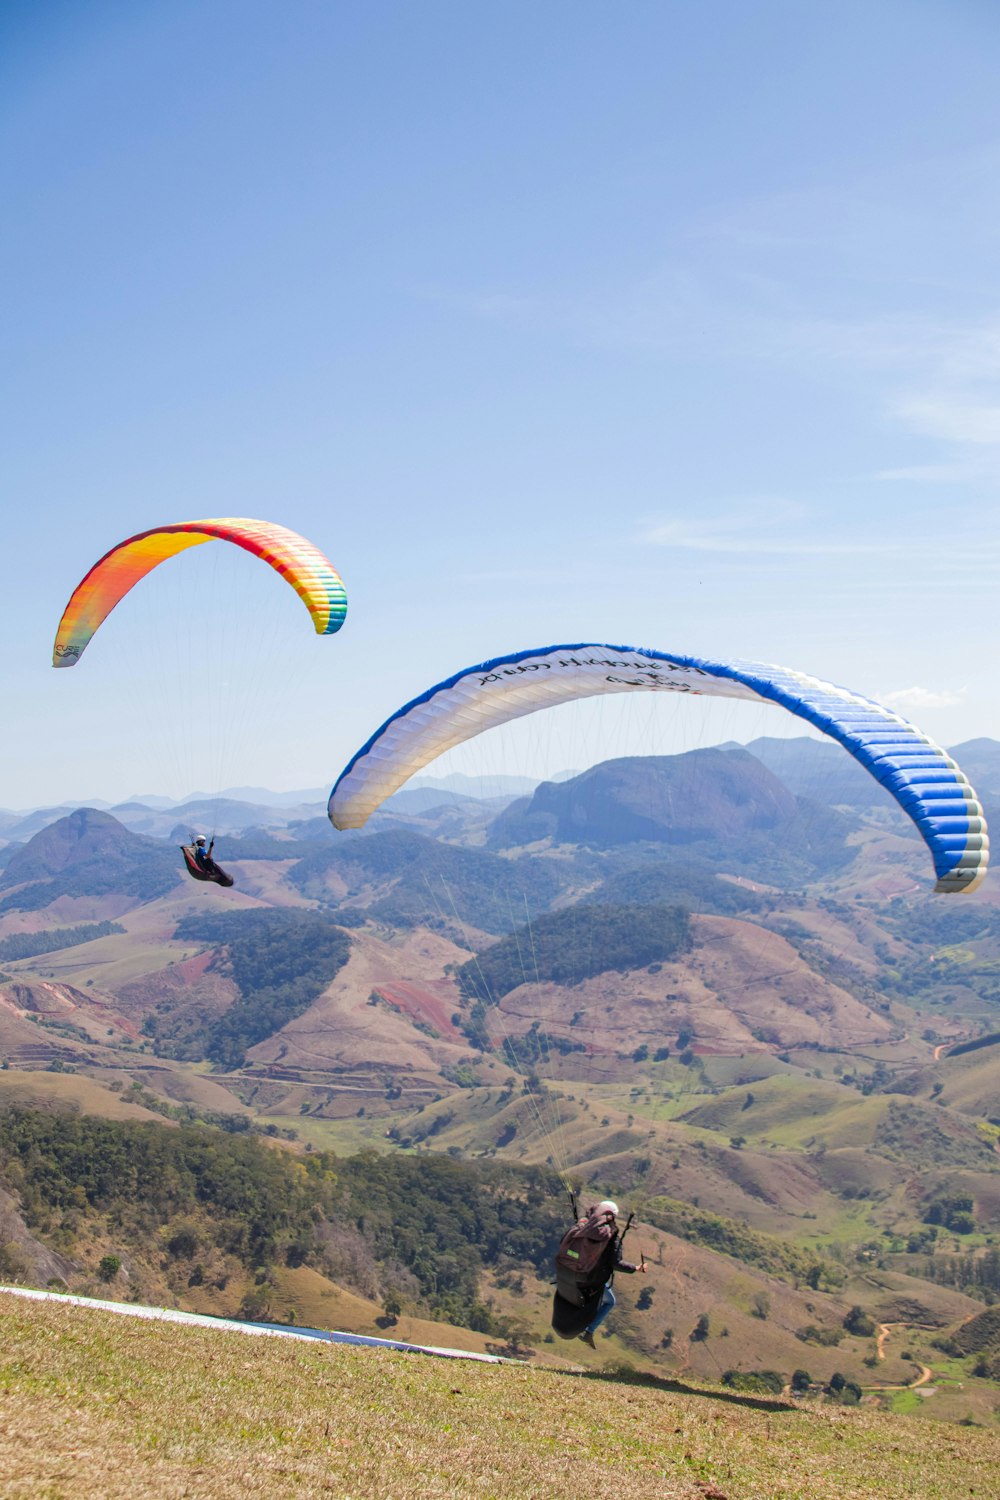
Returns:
point(537, 1046)
point(444, 1221)
point(975, 1045)
point(419, 1229)
point(431, 883)
point(940, 981)
point(839, 1388)
point(858, 1322)
point(940, 926)
point(755, 1382)
point(681, 882)
point(280, 961)
point(141, 1175)
point(31, 944)
point(575, 944)
point(730, 1237)
point(978, 1335)
point(912, 1132)
point(701, 1329)
point(972, 1272)
point(814, 1333)
point(956, 1213)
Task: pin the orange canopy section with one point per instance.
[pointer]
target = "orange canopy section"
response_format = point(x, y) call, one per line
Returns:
point(310, 574)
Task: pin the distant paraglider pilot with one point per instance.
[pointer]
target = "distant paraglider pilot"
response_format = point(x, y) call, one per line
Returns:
point(203, 854)
point(589, 1255)
point(201, 865)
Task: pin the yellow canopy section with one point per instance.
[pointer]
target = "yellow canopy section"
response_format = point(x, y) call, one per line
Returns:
point(310, 574)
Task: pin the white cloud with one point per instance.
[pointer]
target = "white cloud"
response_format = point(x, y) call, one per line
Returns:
point(956, 417)
point(758, 525)
point(914, 699)
point(956, 473)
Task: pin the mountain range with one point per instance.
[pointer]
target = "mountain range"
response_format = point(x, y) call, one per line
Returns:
point(701, 985)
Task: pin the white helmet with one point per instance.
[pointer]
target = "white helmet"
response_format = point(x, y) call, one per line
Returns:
point(606, 1206)
point(200, 839)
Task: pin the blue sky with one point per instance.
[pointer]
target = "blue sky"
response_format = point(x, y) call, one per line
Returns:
point(661, 324)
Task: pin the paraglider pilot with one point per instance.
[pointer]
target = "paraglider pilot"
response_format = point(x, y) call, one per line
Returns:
point(203, 854)
point(589, 1255)
point(201, 865)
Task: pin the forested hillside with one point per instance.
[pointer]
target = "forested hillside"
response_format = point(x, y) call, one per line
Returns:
point(220, 1206)
point(88, 853)
point(404, 879)
point(711, 803)
point(280, 962)
point(575, 944)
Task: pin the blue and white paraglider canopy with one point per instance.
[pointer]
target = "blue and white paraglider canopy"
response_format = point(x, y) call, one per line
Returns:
point(924, 780)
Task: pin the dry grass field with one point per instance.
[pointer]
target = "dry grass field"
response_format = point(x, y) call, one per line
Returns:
point(95, 1406)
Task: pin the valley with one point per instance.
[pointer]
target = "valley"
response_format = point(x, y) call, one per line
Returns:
point(782, 1061)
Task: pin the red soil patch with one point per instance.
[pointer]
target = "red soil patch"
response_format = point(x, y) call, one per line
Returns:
point(191, 969)
point(424, 1003)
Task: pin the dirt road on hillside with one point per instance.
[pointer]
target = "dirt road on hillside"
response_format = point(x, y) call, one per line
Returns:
point(926, 1373)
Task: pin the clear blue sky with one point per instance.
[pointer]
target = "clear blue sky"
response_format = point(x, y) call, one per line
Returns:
point(665, 324)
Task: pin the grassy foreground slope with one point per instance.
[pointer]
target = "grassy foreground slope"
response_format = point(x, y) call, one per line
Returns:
point(94, 1406)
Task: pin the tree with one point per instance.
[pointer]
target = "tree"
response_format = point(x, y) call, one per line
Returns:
point(801, 1381)
point(109, 1267)
point(183, 1245)
point(761, 1306)
point(392, 1306)
point(699, 1332)
point(858, 1322)
point(12, 1263)
point(763, 1381)
point(518, 1335)
point(256, 1303)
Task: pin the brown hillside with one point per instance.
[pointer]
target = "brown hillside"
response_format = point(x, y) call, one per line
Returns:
point(979, 1333)
point(192, 991)
point(26, 1044)
point(344, 1033)
point(89, 1010)
point(969, 1083)
point(741, 989)
point(73, 1092)
point(780, 1193)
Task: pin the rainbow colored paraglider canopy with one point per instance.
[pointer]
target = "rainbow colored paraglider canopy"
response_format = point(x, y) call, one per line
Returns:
point(310, 574)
